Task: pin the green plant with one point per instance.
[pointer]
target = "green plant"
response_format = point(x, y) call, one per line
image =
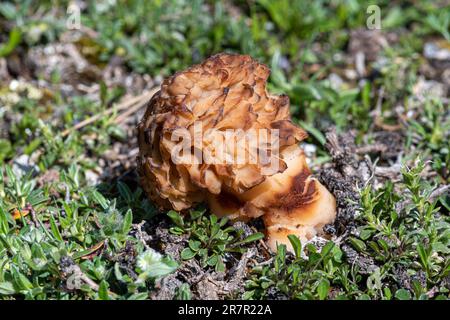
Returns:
point(70, 248)
point(298, 277)
point(402, 233)
point(210, 239)
point(431, 134)
point(406, 230)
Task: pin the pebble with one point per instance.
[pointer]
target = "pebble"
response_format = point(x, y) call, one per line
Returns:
point(23, 165)
point(428, 88)
point(436, 51)
point(92, 178)
point(310, 149)
point(335, 81)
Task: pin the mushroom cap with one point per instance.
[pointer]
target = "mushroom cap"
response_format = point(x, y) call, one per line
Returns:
point(225, 92)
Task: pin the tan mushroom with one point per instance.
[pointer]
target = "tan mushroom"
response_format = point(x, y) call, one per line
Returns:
point(227, 93)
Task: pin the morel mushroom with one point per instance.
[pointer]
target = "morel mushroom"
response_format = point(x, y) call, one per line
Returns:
point(197, 143)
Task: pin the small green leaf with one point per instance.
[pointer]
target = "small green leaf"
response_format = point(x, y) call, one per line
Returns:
point(251, 238)
point(32, 146)
point(248, 295)
point(117, 272)
point(8, 10)
point(88, 251)
point(195, 214)
point(55, 229)
point(403, 294)
point(187, 254)
point(328, 249)
point(365, 234)
point(296, 244)
point(384, 245)
point(213, 219)
point(183, 292)
point(14, 39)
point(357, 244)
point(314, 132)
point(21, 281)
point(323, 288)
point(103, 291)
point(176, 218)
point(387, 293)
point(4, 226)
point(7, 288)
point(100, 199)
point(423, 255)
point(223, 222)
point(124, 191)
point(220, 266)
point(6, 149)
point(194, 245)
point(138, 296)
point(176, 230)
point(127, 221)
point(213, 260)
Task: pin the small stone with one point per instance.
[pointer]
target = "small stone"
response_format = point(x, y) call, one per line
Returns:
point(92, 178)
point(310, 149)
point(23, 165)
point(428, 88)
point(14, 85)
point(350, 74)
point(436, 51)
point(335, 81)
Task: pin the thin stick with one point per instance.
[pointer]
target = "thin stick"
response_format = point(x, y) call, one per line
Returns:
point(128, 103)
point(141, 103)
point(439, 192)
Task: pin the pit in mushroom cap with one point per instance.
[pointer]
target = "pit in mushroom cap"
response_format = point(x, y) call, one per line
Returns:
point(229, 92)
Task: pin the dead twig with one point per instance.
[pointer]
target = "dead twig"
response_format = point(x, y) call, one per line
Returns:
point(439, 192)
point(392, 172)
point(140, 234)
point(373, 148)
point(134, 103)
point(75, 277)
point(264, 263)
point(141, 103)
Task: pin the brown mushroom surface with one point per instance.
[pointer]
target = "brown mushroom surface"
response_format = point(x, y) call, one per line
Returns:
point(238, 178)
